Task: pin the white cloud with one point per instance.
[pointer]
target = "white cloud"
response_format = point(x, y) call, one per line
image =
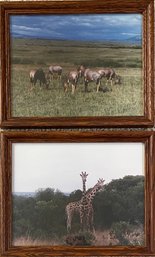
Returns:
point(64, 25)
point(131, 34)
point(20, 27)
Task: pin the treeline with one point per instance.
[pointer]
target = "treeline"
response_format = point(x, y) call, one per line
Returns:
point(43, 216)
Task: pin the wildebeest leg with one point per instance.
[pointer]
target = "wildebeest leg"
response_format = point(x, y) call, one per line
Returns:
point(65, 87)
point(98, 85)
point(107, 81)
point(51, 76)
point(31, 85)
point(86, 86)
point(59, 76)
point(73, 88)
point(111, 80)
point(34, 83)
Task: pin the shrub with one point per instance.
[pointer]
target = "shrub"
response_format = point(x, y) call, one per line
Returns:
point(120, 229)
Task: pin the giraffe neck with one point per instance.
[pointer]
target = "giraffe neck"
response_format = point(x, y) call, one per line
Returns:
point(84, 188)
point(92, 194)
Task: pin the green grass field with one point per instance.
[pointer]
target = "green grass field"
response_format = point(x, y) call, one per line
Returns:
point(119, 100)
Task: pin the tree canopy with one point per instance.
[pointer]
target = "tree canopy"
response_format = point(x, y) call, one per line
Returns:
point(43, 216)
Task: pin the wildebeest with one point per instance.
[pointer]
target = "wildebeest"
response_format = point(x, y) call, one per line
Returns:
point(81, 70)
point(72, 79)
point(89, 76)
point(110, 75)
point(92, 76)
point(55, 69)
point(38, 75)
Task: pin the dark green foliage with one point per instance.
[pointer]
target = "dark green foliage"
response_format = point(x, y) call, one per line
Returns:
point(120, 204)
point(75, 196)
point(120, 229)
point(42, 216)
point(82, 238)
point(121, 200)
point(45, 194)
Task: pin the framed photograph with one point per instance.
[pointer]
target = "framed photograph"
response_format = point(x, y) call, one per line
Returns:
point(77, 63)
point(77, 194)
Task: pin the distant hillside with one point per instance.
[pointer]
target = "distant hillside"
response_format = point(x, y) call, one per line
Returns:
point(26, 194)
point(136, 40)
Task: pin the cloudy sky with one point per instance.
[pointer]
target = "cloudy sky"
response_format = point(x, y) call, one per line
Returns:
point(58, 165)
point(95, 27)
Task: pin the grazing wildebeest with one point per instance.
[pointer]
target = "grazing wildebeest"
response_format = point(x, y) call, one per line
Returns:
point(110, 75)
point(89, 76)
point(72, 79)
point(81, 70)
point(92, 76)
point(38, 75)
point(55, 69)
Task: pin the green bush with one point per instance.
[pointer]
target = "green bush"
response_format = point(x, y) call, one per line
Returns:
point(43, 216)
point(120, 229)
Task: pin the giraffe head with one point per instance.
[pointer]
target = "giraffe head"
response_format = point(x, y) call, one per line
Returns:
point(100, 184)
point(97, 188)
point(84, 176)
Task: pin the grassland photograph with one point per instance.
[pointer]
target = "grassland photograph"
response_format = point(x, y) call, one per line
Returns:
point(78, 194)
point(76, 65)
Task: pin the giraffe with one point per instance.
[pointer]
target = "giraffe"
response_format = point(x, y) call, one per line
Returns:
point(88, 207)
point(84, 178)
point(83, 199)
point(83, 209)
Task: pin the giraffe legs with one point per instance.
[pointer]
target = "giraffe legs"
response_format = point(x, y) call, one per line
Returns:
point(69, 219)
point(69, 224)
point(90, 219)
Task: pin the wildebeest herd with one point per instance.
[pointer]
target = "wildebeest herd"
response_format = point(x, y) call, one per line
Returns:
point(72, 78)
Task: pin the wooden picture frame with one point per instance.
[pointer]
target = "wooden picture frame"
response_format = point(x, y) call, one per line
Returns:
point(9, 138)
point(146, 8)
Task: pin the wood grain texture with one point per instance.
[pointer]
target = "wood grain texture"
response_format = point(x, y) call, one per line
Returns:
point(7, 138)
point(83, 6)
point(76, 6)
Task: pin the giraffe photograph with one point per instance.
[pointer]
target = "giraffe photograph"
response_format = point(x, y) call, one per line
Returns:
point(78, 194)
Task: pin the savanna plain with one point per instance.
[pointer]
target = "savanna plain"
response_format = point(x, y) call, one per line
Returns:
point(125, 99)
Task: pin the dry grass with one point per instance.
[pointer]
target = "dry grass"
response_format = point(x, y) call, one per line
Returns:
point(101, 239)
point(28, 241)
point(136, 237)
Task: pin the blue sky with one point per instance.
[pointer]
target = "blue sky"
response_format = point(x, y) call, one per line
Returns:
point(91, 27)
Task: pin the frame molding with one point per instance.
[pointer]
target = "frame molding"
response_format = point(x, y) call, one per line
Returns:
point(7, 138)
point(145, 7)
